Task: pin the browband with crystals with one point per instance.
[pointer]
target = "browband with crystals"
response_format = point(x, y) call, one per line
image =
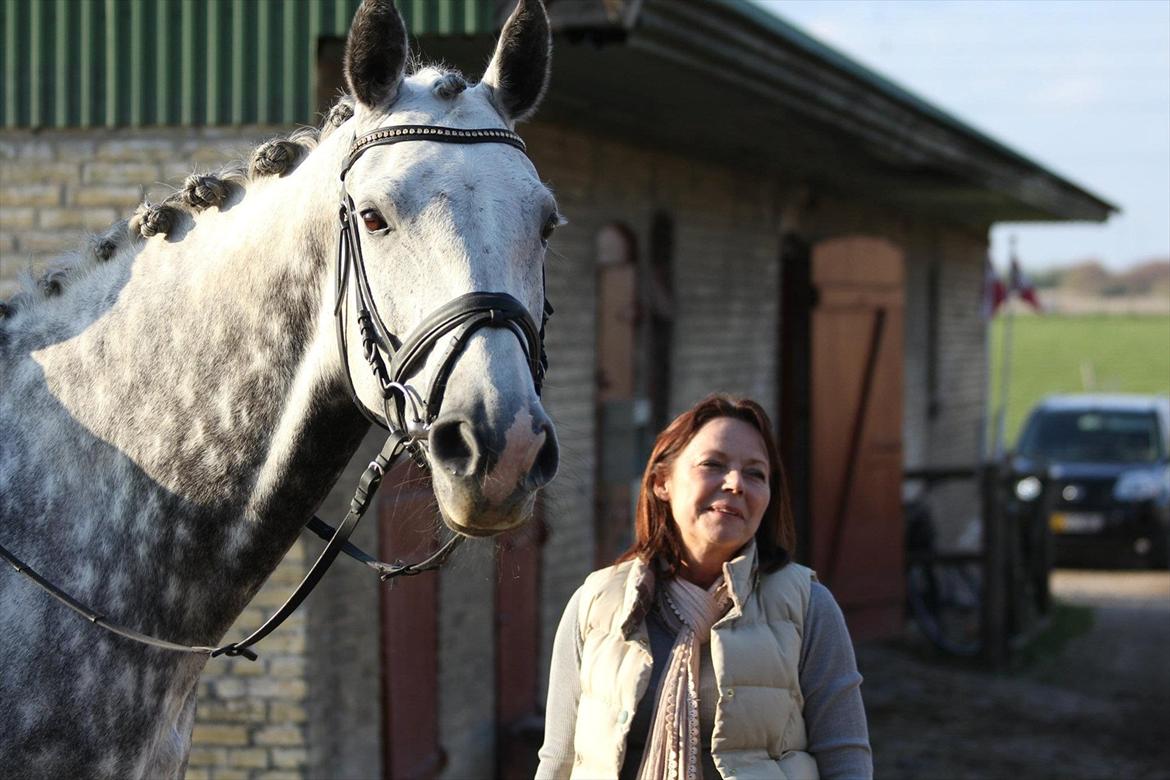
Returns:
point(393, 135)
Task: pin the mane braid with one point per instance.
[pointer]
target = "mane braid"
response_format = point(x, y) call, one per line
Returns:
point(199, 192)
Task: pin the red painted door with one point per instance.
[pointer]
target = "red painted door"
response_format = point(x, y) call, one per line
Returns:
point(410, 631)
point(856, 438)
point(519, 727)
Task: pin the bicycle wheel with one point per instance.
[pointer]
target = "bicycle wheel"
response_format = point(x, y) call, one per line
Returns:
point(946, 601)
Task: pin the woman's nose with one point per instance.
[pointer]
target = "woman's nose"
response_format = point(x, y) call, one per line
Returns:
point(732, 481)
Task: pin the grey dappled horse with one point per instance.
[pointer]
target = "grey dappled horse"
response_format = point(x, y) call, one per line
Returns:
point(173, 404)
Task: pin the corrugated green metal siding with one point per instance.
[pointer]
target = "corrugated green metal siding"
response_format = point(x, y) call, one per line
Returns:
point(84, 63)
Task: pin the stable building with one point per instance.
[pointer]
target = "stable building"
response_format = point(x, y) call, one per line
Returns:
point(749, 211)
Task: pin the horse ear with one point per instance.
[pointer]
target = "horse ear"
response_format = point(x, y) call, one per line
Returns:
point(519, 69)
point(375, 53)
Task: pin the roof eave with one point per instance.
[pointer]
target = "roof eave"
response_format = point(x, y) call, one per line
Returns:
point(738, 43)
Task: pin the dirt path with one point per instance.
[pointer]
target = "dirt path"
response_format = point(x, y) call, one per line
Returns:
point(1099, 709)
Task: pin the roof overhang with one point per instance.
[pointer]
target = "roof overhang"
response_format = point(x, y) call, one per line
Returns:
point(726, 81)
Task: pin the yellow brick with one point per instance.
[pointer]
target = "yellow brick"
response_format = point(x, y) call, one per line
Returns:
point(267, 688)
point(116, 195)
point(219, 734)
point(236, 710)
point(229, 774)
point(136, 150)
point(197, 774)
point(287, 667)
point(228, 688)
point(286, 712)
point(201, 755)
point(279, 776)
point(37, 172)
point(289, 758)
point(242, 667)
point(285, 642)
point(30, 195)
point(76, 150)
point(254, 758)
point(120, 173)
point(88, 218)
point(280, 735)
point(16, 218)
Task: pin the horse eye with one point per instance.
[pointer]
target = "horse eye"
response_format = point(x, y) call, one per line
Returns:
point(373, 221)
point(549, 226)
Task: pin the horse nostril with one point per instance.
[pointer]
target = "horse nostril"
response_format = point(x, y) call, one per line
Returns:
point(547, 460)
point(454, 448)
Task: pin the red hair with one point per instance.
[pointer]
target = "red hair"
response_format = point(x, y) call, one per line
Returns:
point(656, 535)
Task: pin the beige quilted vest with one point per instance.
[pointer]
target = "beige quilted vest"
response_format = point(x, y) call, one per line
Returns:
point(755, 651)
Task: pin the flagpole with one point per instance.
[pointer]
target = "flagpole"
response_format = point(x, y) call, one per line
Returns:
point(1006, 359)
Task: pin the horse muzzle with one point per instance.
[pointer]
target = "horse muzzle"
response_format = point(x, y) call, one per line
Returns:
point(485, 477)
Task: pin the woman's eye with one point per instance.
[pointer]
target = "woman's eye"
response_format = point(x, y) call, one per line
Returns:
point(757, 474)
point(373, 221)
point(711, 464)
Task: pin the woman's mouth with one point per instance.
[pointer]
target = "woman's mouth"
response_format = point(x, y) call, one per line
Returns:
point(724, 509)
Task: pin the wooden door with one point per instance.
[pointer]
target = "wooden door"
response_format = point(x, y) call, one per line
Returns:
point(519, 726)
point(410, 630)
point(856, 403)
point(621, 413)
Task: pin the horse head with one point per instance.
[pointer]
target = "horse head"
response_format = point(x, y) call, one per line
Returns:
point(432, 222)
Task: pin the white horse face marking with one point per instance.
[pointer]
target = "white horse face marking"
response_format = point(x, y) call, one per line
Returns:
point(440, 220)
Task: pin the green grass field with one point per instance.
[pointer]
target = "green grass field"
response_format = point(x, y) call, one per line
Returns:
point(1075, 354)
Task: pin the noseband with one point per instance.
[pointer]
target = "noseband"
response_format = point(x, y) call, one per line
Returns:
point(406, 415)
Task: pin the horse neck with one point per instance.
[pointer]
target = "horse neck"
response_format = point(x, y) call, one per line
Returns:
point(200, 412)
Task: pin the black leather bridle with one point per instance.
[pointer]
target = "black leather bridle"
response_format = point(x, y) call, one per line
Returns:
point(392, 360)
point(406, 415)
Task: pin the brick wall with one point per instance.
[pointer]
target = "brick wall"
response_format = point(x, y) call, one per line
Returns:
point(54, 187)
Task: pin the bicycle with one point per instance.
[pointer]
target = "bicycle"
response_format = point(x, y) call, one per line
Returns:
point(944, 591)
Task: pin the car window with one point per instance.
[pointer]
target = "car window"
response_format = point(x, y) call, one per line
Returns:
point(1092, 437)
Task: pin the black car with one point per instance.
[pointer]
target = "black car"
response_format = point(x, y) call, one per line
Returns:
point(1099, 467)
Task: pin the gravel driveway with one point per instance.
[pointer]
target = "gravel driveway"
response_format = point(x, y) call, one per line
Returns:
point(1098, 709)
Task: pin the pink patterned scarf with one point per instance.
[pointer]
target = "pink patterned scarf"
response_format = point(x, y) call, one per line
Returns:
point(672, 752)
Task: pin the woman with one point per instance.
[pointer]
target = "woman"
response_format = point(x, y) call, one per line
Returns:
point(705, 652)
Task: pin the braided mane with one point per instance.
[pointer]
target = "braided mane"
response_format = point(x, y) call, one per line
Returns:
point(199, 192)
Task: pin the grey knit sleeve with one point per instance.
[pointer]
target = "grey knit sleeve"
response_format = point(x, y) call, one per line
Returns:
point(834, 716)
point(564, 691)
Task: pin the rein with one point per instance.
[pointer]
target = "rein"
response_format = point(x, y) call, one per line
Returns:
point(406, 415)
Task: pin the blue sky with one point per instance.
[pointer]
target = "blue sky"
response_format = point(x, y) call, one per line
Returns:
point(1081, 87)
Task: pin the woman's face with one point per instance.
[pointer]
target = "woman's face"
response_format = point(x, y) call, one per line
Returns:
point(718, 489)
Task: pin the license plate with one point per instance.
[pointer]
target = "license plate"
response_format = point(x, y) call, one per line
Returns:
point(1076, 522)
